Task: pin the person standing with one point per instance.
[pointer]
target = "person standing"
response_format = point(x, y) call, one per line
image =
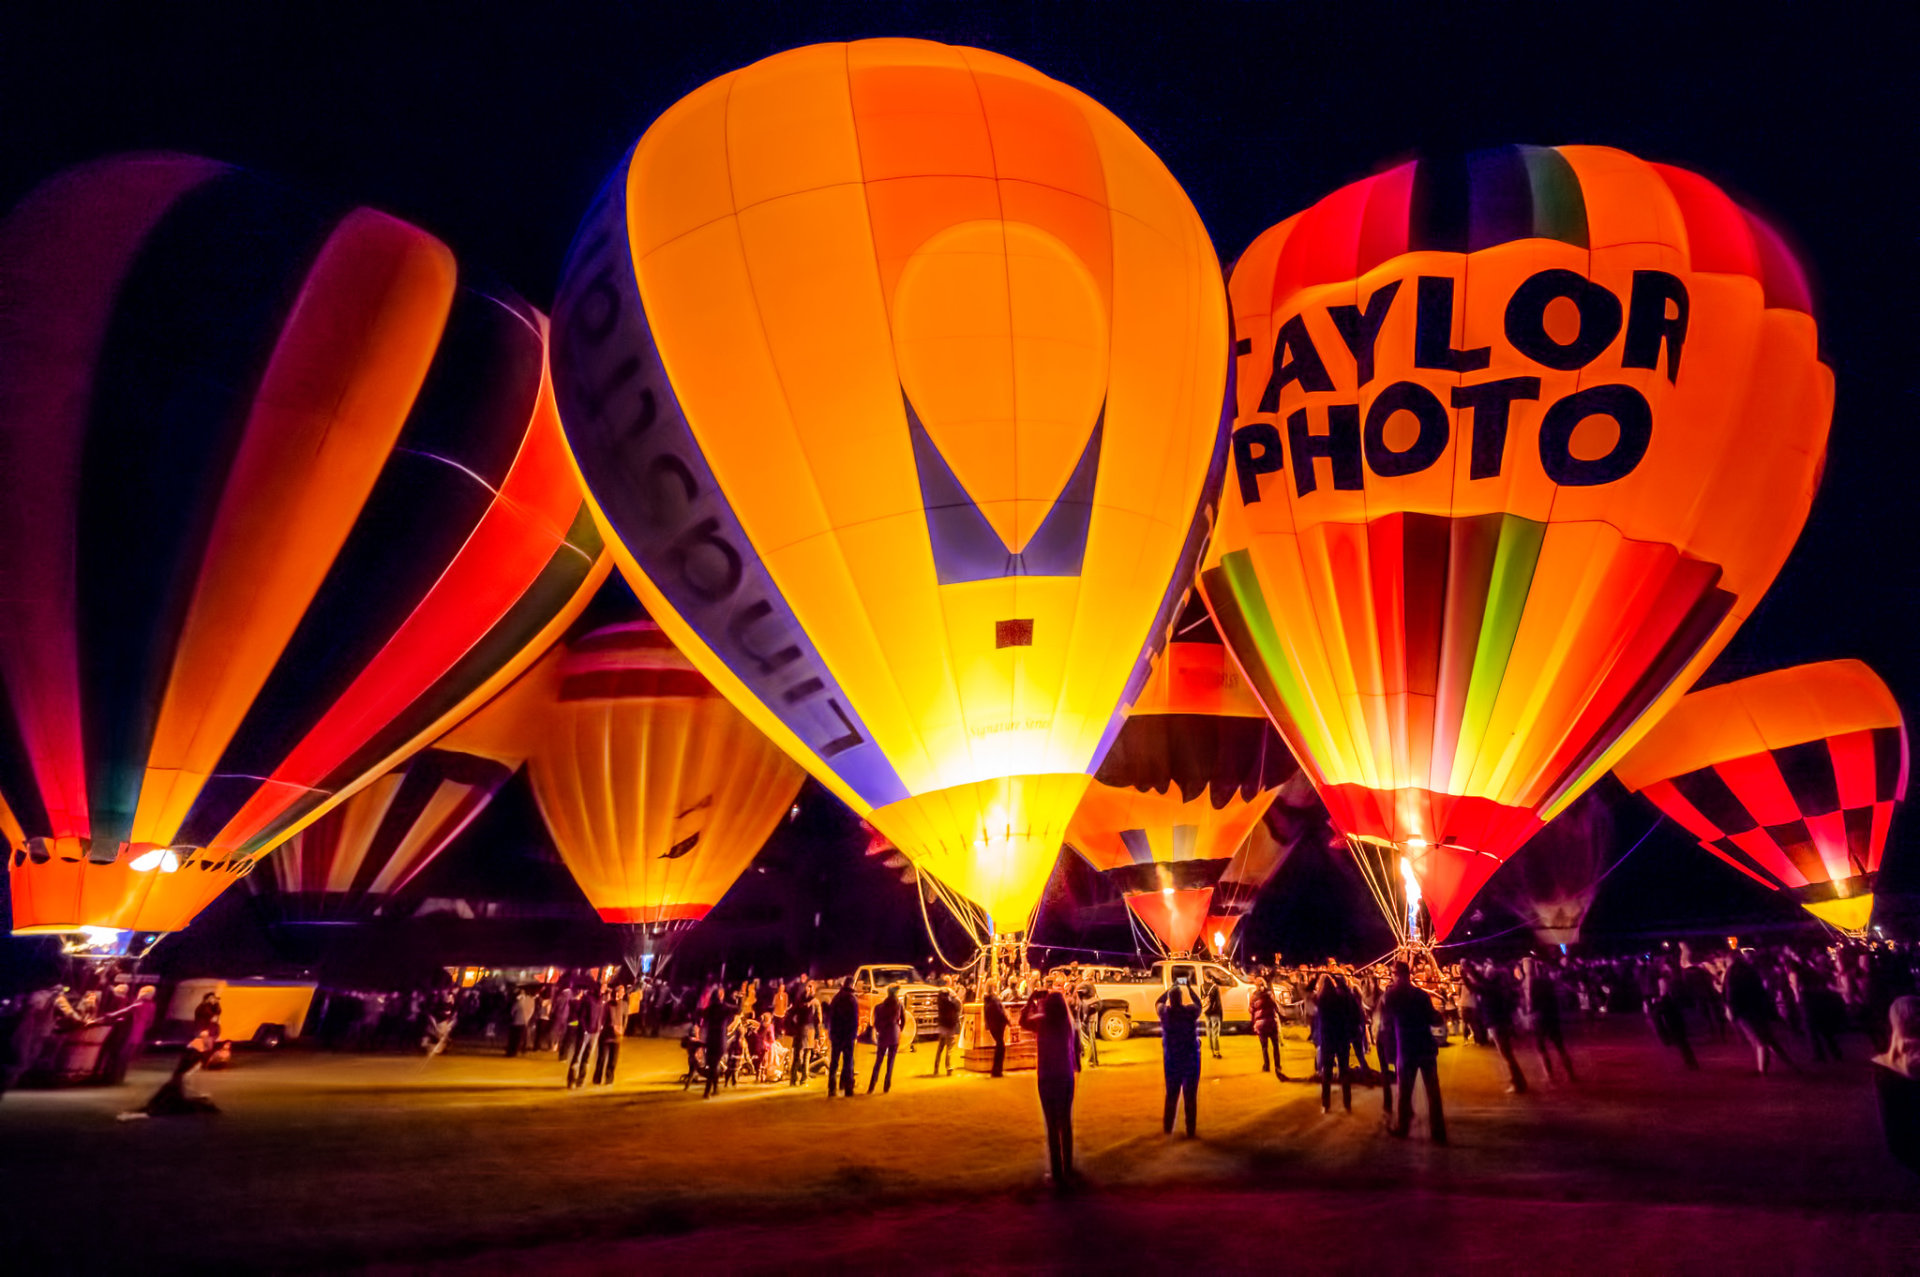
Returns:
point(993, 1014)
point(1542, 996)
point(1180, 1054)
point(1413, 1016)
point(519, 1020)
point(947, 1020)
point(1498, 1007)
point(1216, 1016)
point(1337, 1031)
point(843, 1025)
point(1386, 1048)
point(589, 1016)
point(1752, 1010)
point(1056, 1062)
point(888, 1018)
point(562, 1018)
point(1088, 1004)
point(1264, 1007)
point(716, 1022)
point(615, 1028)
point(1670, 1020)
point(803, 1027)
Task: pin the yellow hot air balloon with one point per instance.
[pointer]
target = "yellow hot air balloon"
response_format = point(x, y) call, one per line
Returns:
point(656, 791)
point(1792, 777)
point(895, 370)
point(1521, 440)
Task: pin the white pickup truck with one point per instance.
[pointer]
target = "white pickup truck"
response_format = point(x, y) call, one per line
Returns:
point(1129, 1004)
point(870, 985)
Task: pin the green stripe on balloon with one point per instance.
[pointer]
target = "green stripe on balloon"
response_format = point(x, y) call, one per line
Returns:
point(1278, 683)
point(1513, 564)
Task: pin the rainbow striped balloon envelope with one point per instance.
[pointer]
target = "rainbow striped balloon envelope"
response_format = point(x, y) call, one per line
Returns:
point(287, 496)
point(1521, 438)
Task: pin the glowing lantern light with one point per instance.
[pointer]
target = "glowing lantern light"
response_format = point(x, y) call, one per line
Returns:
point(287, 496)
point(1520, 442)
point(895, 370)
point(1792, 777)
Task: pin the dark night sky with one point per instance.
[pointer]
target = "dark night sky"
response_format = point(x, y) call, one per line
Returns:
point(493, 125)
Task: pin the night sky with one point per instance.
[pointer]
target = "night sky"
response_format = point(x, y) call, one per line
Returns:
point(493, 125)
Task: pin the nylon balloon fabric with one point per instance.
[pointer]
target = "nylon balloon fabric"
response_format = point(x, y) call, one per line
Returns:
point(657, 792)
point(1792, 777)
point(896, 370)
point(1191, 773)
point(1521, 439)
point(288, 496)
point(347, 864)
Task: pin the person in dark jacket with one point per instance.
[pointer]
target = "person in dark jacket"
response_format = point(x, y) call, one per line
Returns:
point(803, 1026)
point(1337, 1030)
point(558, 1030)
point(590, 1014)
point(994, 1015)
point(1180, 1054)
point(1541, 994)
point(1047, 1017)
point(613, 1028)
point(1413, 1016)
point(716, 1026)
point(130, 1027)
point(1499, 1006)
point(843, 1026)
point(1216, 1016)
point(888, 1018)
point(1752, 1009)
point(1896, 1080)
point(1265, 1010)
point(947, 1020)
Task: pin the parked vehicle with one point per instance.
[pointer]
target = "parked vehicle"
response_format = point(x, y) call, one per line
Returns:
point(1128, 1004)
point(870, 985)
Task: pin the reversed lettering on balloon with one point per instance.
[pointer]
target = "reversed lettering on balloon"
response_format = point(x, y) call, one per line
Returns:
point(645, 468)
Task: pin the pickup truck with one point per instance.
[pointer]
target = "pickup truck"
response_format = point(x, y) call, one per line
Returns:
point(1129, 1004)
point(870, 985)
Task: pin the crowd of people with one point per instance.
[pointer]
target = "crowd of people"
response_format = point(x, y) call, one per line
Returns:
point(1377, 1026)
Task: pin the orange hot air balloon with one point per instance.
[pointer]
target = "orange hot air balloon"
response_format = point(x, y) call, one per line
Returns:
point(1521, 439)
point(1791, 777)
point(657, 792)
point(895, 371)
point(1189, 777)
point(1294, 816)
point(287, 495)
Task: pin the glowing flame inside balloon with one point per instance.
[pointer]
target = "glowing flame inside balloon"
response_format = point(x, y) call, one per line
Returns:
point(1412, 885)
point(159, 858)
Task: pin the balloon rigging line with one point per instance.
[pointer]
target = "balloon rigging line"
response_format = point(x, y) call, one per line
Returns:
point(927, 921)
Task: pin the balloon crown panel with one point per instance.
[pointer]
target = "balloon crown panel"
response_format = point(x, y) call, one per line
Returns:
point(289, 495)
point(896, 371)
point(1521, 439)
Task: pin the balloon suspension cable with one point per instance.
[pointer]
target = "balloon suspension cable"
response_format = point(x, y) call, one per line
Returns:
point(926, 920)
point(1140, 932)
point(1379, 869)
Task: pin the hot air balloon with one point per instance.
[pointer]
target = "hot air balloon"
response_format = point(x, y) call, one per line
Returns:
point(1294, 815)
point(1521, 439)
point(287, 495)
point(896, 371)
point(657, 792)
point(1792, 777)
point(1550, 884)
point(1191, 773)
point(342, 867)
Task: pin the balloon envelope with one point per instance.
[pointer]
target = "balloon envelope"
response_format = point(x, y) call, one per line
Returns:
point(896, 371)
point(1520, 441)
point(1191, 773)
point(287, 496)
point(342, 867)
point(1792, 777)
point(657, 792)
